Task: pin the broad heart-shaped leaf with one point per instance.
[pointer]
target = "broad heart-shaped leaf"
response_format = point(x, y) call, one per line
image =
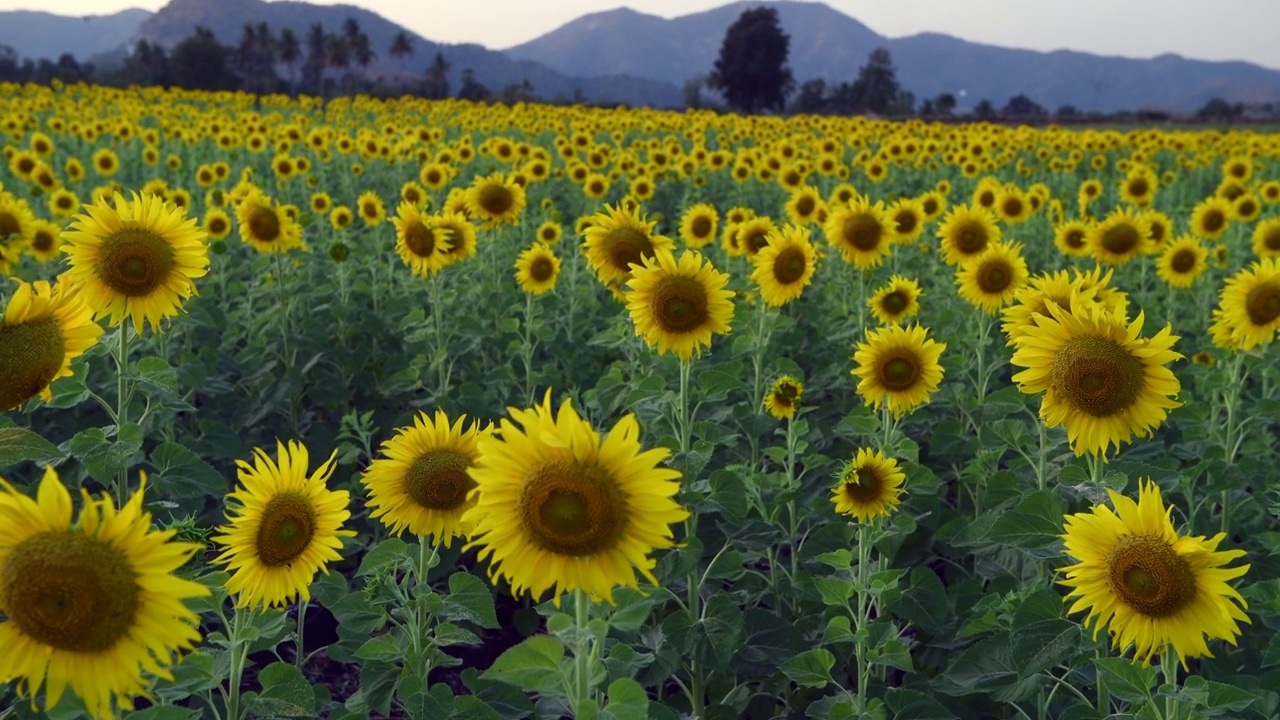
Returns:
point(180, 473)
point(627, 701)
point(912, 705)
point(1035, 523)
point(20, 445)
point(470, 599)
point(285, 693)
point(390, 554)
point(811, 668)
point(163, 712)
point(533, 665)
point(1126, 679)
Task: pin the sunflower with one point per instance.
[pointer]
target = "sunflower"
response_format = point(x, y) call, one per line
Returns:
point(933, 204)
point(1182, 261)
point(898, 366)
point(869, 487)
point(804, 205)
point(284, 527)
point(1211, 217)
point(618, 239)
point(698, 225)
point(217, 224)
point(370, 208)
point(1101, 381)
point(785, 267)
point(896, 300)
point(1120, 237)
point(861, 231)
point(419, 242)
point(46, 241)
point(138, 260)
point(908, 220)
point(753, 235)
point(460, 233)
point(991, 279)
point(321, 203)
point(1071, 237)
point(421, 482)
point(15, 226)
point(1139, 187)
point(549, 233)
point(264, 227)
point(1266, 238)
point(92, 605)
point(42, 330)
point(1161, 228)
point(559, 508)
point(1148, 585)
point(495, 199)
point(1011, 206)
point(537, 269)
point(965, 232)
point(105, 162)
point(678, 305)
point(1250, 304)
point(1033, 299)
point(784, 397)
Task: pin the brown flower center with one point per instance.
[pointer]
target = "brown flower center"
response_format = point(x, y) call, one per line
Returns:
point(679, 304)
point(1149, 576)
point(894, 303)
point(701, 227)
point(1183, 261)
point(264, 224)
point(970, 238)
point(790, 265)
point(1263, 303)
point(899, 371)
point(572, 509)
point(438, 479)
point(288, 523)
point(1097, 375)
point(496, 199)
point(863, 485)
point(1213, 221)
point(134, 262)
point(9, 224)
point(905, 222)
point(862, 232)
point(994, 276)
point(542, 269)
point(31, 354)
point(419, 238)
point(627, 246)
point(1121, 239)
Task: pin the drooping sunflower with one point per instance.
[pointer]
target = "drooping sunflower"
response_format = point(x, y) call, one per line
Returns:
point(861, 231)
point(966, 232)
point(784, 397)
point(698, 225)
point(785, 266)
point(991, 279)
point(619, 239)
point(1266, 238)
point(1182, 261)
point(421, 484)
point(1120, 237)
point(1211, 217)
point(138, 260)
point(1147, 585)
point(537, 269)
point(1250, 303)
point(896, 301)
point(42, 330)
point(869, 486)
point(265, 227)
point(419, 243)
point(899, 367)
point(91, 605)
point(284, 527)
point(678, 305)
point(559, 508)
point(1101, 381)
point(495, 199)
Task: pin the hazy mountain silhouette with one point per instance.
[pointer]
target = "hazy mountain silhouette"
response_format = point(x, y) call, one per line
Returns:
point(38, 35)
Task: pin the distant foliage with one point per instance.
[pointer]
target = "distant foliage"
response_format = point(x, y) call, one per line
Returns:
point(752, 71)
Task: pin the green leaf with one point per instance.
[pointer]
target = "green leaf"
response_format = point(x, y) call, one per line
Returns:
point(838, 631)
point(1035, 523)
point(925, 602)
point(717, 384)
point(163, 712)
point(105, 458)
point(632, 611)
point(1125, 679)
point(811, 668)
point(627, 701)
point(449, 634)
point(533, 665)
point(1043, 644)
point(470, 599)
point(285, 692)
point(912, 705)
point(20, 445)
point(834, 591)
point(383, 649)
point(389, 555)
point(1227, 698)
point(180, 473)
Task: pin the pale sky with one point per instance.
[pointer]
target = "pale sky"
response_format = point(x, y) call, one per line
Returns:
point(1225, 30)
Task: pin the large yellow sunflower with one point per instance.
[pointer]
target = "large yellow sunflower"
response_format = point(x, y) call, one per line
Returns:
point(1182, 261)
point(785, 266)
point(15, 228)
point(264, 225)
point(678, 305)
point(966, 232)
point(991, 279)
point(1266, 238)
point(870, 486)
point(899, 367)
point(618, 239)
point(91, 605)
point(1033, 299)
point(136, 261)
point(1120, 237)
point(419, 242)
point(422, 483)
point(1101, 381)
point(537, 269)
point(1148, 585)
point(1250, 304)
point(42, 330)
point(784, 397)
point(284, 527)
point(495, 199)
point(559, 508)
point(1211, 217)
point(863, 232)
point(896, 301)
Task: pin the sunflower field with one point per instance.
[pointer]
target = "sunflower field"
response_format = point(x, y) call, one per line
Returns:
point(371, 408)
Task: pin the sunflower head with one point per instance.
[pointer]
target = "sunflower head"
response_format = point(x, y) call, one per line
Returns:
point(619, 239)
point(265, 226)
point(495, 199)
point(990, 280)
point(1182, 261)
point(1120, 237)
point(966, 232)
point(869, 486)
point(678, 305)
point(896, 301)
point(784, 397)
point(1250, 304)
point(785, 266)
point(420, 242)
point(698, 225)
point(42, 330)
point(861, 231)
point(537, 269)
point(899, 367)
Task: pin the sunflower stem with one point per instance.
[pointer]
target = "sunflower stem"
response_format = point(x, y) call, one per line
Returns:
point(791, 505)
point(860, 617)
point(526, 349)
point(1169, 667)
point(691, 529)
point(1230, 441)
point(582, 652)
point(122, 406)
point(440, 345)
point(299, 656)
point(763, 330)
point(427, 554)
point(239, 654)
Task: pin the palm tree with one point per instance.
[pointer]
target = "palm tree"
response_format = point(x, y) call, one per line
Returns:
point(290, 54)
point(317, 57)
point(438, 78)
point(362, 53)
point(401, 48)
point(339, 54)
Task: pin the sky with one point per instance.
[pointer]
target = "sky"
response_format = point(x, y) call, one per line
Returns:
point(1225, 30)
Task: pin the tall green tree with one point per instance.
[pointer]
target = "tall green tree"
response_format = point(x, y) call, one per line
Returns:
point(751, 71)
point(438, 78)
point(401, 49)
point(876, 90)
point(290, 52)
point(200, 62)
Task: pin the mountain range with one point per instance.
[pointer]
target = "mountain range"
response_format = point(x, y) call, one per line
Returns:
point(631, 57)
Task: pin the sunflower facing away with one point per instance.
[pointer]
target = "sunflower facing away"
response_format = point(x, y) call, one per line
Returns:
point(678, 305)
point(284, 527)
point(1148, 585)
point(1250, 304)
point(90, 605)
point(1101, 381)
point(421, 484)
point(784, 397)
point(537, 269)
point(785, 265)
point(619, 238)
point(265, 227)
point(42, 330)
point(898, 367)
point(419, 243)
point(559, 508)
point(896, 301)
point(869, 487)
point(137, 261)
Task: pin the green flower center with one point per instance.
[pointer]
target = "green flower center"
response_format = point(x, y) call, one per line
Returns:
point(438, 479)
point(1097, 375)
point(31, 354)
point(572, 509)
point(1150, 577)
